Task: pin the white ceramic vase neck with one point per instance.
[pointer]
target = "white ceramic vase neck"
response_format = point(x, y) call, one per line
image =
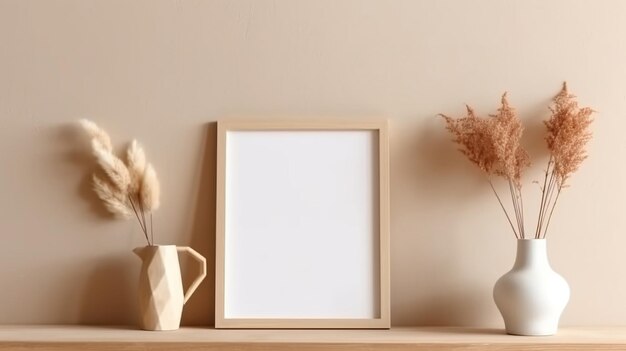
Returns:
point(531, 296)
point(531, 253)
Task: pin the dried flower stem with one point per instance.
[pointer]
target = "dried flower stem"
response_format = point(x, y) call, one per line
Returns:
point(551, 187)
point(515, 209)
point(521, 200)
point(151, 228)
point(548, 202)
point(143, 229)
point(516, 199)
point(551, 211)
point(143, 219)
point(503, 208)
point(514, 206)
point(543, 199)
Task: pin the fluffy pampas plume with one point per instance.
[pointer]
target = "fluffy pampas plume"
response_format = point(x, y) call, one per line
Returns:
point(136, 159)
point(114, 200)
point(96, 134)
point(150, 189)
point(114, 168)
point(130, 188)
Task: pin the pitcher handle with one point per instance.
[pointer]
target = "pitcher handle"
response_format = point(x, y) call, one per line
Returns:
point(202, 274)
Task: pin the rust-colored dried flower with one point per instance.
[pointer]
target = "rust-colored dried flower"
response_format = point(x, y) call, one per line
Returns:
point(473, 135)
point(568, 134)
point(493, 144)
point(506, 134)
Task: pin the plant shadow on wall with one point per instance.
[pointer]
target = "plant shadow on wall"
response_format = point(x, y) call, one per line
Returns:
point(100, 303)
point(103, 305)
point(79, 156)
point(440, 294)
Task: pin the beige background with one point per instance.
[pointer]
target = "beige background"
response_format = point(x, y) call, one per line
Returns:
point(162, 71)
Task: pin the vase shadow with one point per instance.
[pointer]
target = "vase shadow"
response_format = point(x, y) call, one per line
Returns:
point(468, 331)
point(435, 175)
point(109, 296)
point(462, 309)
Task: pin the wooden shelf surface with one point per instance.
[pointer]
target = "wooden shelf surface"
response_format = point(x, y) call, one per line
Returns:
point(399, 338)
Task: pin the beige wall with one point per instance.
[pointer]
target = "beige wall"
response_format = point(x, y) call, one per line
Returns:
point(162, 71)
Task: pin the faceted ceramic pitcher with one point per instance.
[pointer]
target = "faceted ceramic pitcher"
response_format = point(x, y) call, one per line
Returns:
point(161, 296)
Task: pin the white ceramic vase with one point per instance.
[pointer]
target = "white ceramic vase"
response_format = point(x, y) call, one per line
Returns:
point(531, 296)
point(161, 296)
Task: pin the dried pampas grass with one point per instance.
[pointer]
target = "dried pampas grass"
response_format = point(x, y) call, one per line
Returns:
point(131, 187)
point(150, 189)
point(136, 160)
point(114, 200)
point(568, 135)
point(493, 144)
point(114, 168)
point(96, 134)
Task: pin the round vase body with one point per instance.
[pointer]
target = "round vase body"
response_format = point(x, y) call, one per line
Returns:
point(531, 296)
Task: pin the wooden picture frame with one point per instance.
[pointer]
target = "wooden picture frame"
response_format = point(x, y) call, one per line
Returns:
point(302, 224)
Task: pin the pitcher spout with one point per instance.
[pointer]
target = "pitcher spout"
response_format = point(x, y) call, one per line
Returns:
point(139, 251)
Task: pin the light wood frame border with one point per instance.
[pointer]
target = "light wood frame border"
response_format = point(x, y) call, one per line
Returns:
point(380, 126)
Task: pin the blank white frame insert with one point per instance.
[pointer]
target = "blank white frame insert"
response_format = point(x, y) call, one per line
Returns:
point(302, 225)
